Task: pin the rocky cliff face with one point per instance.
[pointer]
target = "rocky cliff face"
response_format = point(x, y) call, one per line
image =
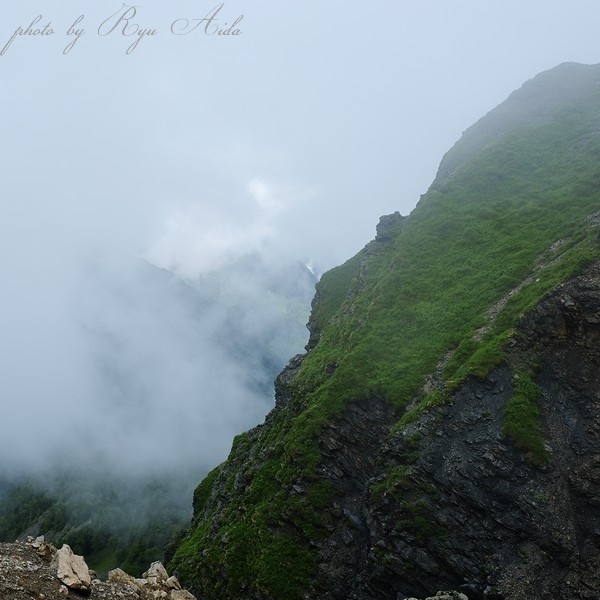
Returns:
point(481, 517)
point(441, 430)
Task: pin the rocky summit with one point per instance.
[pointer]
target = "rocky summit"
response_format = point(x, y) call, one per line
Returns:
point(441, 430)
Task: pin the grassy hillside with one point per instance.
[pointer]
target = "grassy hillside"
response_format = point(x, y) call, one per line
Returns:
point(481, 247)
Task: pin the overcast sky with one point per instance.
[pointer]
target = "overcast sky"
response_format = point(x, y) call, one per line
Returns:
point(290, 138)
point(300, 131)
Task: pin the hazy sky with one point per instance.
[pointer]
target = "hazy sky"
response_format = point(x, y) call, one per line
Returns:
point(288, 139)
point(302, 130)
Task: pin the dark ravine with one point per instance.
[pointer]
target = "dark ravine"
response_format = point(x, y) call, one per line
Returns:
point(424, 444)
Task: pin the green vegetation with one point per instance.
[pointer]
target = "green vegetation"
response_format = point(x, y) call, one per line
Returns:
point(418, 522)
point(478, 251)
point(21, 506)
point(202, 492)
point(91, 517)
point(460, 252)
point(275, 565)
point(337, 282)
point(262, 542)
point(397, 478)
point(522, 420)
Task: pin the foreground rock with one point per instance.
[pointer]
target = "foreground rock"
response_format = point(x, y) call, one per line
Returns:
point(155, 581)
point(37, 570)
point(72, 570)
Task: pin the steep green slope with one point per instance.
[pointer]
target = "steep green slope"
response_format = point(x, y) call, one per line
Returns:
point(405, 321)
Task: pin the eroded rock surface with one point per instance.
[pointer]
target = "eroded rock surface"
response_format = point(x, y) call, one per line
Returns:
point(36, 570)
point(72, 570)
point(467, 508)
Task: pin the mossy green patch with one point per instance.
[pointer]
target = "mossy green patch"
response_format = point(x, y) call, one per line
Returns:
point(522, 424)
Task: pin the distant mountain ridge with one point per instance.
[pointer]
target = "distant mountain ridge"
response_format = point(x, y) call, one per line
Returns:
point(439, 433)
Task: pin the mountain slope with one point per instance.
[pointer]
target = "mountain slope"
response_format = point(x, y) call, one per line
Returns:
point(329, 497)
point(534, 104)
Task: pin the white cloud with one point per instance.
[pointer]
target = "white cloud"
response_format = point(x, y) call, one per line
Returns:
point(199, 239)
point(267, 197)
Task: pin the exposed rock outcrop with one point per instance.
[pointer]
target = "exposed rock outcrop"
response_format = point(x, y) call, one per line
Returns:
point(388, 226)
point(72, 570)
point(37, 570)
point(155, 581)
